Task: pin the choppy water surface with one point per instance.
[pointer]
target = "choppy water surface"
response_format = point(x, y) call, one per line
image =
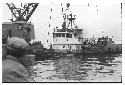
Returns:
point(83, 68)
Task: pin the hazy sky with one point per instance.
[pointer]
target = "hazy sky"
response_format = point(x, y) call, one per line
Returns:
point(93, 16)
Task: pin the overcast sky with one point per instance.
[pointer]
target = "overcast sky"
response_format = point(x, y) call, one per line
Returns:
point(93, 17)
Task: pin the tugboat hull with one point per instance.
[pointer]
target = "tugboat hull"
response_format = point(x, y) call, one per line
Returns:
point(90, 49)
point(102, 49)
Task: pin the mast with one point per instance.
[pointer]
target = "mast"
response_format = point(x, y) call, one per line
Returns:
point(68, 18)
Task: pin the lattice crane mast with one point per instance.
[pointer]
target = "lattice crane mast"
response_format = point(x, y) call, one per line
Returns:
point(24, 13)
point(19, 27)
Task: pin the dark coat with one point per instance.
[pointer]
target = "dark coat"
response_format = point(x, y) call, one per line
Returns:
point(14, 71)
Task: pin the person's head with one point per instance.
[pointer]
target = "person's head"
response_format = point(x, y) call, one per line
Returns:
point(16, 47)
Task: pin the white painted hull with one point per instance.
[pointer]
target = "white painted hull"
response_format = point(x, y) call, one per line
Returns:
point(65, 48)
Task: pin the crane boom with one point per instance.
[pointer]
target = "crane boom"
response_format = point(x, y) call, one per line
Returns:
point(12, 8)
point(22, 14)
point(27, 12)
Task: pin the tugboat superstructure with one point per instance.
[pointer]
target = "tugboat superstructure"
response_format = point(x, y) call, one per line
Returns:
point(68, 38)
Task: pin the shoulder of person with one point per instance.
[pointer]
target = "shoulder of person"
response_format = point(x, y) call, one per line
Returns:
point(11, 65)
point(15, 72)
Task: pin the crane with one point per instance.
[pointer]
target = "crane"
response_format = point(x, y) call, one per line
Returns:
point(19, 25)
point(22, 14)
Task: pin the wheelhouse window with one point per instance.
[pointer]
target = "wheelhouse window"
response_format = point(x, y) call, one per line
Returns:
point(63, 34)
point(69, 35)
point(54, 35)
point(59, 34)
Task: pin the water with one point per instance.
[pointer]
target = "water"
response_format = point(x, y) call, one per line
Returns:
point(87, 68)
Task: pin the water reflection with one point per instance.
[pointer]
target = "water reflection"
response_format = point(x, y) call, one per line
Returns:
point(87, 68)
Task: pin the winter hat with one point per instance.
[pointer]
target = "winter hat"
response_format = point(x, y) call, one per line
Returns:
point(16, 45)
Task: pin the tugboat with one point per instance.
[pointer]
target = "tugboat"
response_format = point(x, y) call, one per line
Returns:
point(68, 38)
point(103, 44)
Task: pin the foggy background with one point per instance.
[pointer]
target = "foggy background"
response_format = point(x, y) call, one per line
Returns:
point(95, 17)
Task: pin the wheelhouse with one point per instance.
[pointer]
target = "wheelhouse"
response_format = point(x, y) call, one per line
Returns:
point(62, 34)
